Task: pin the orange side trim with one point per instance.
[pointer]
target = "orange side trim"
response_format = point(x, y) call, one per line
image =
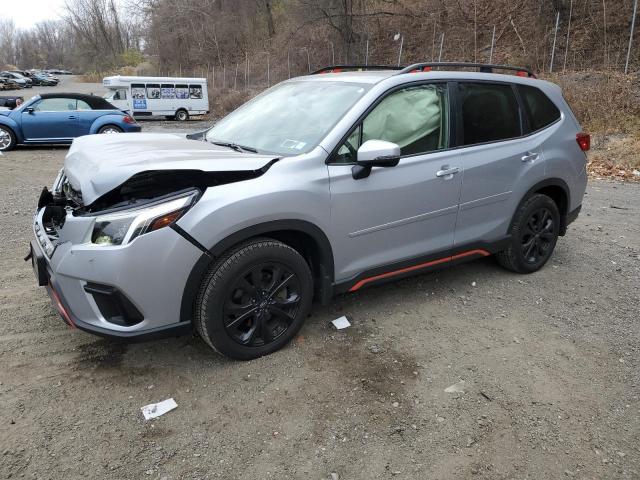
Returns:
point(420, 266)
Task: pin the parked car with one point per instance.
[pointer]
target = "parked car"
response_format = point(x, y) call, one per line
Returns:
point(44, 80)
point(323, 184)
point(23, 81)
point(8, 84)
point(11, 101)
point(58, 118)
point(16, 79)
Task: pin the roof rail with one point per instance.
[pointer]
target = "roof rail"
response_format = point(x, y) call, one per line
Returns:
point(482, 67)
point(353, 68)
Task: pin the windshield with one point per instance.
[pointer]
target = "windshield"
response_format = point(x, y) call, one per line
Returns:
point(290, 118)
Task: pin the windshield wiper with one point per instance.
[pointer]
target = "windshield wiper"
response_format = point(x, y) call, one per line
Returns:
point(235, 146)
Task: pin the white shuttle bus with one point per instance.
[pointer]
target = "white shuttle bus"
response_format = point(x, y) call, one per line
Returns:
point(171, 97)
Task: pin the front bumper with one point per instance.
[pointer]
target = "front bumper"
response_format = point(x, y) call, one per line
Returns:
point(147, 276)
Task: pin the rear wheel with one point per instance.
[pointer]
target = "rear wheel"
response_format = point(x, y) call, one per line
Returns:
point(534, 233)
point(254, 299)
point(110, 129)
point(182, 115)
point(7, 139)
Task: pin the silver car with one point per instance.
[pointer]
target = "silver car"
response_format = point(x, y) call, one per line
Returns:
point(327, 183)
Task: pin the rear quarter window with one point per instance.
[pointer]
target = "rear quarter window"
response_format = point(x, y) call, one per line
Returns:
point(540, 110)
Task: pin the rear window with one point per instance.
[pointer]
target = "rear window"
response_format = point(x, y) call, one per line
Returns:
point(490, 112)
point(540, 110)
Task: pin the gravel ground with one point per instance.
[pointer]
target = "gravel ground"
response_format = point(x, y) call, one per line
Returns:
point(550, 363)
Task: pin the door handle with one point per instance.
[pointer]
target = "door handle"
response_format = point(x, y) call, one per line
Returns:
point(72, 117)
point(530, 157)
point(447, 172)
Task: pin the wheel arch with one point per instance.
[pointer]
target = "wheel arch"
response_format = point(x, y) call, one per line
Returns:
point(105, 120)
point(556, 189)
point(305, 237)
point(10, 123)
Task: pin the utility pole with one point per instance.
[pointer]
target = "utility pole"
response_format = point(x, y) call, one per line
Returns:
point(493, 41)
point(553, 49)
point(441, 45)
point(633, 26)
point(399, 36)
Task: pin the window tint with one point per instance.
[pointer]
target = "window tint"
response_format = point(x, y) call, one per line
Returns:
point(490, 112)
point(195, 91)
point(415, 118)
point(55, 105)
point(540, 110)
point(153, 91)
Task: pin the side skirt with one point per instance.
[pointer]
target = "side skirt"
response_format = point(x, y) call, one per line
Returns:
point(420, 265)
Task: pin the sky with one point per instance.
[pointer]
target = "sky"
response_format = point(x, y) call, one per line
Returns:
point(26, 13)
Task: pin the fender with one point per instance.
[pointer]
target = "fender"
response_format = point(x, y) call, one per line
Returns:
point(110, 119)
point(550, 182)
point(8, 121)
point(325, 266)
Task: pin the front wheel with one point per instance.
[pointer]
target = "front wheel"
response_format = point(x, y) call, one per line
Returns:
point(110, 129)
point(254, 299)
point(534, 233)
point(7, 139)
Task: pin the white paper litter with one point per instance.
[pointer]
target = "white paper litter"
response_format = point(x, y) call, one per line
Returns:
point(341, 323)
point(154, 410)
point(456, 387)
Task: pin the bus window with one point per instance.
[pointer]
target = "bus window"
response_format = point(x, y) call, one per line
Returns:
point(182, 91)
point(137, 91)
point(153, 91)
point(195, 91)
point(167, 91)
point(120, 95)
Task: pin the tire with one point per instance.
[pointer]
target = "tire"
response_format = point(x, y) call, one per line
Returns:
point(534, 232)
point(182, 115)
point(7, 139)
point(242, 322)
point(108, 129)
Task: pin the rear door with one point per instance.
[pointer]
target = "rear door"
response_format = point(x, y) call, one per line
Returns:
point(51, 119)
point(498, 156)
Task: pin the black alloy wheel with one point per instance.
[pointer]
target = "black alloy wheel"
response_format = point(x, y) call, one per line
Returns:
point(262, 304)
point(538, 235)
point(534, 233)
point(254, 299)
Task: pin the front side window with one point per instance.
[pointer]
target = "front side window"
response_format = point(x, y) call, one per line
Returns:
point(120, 95)
point(290, 118)
point(55, 105)
point(415, 118)
point(490, 112)
point(540, 110)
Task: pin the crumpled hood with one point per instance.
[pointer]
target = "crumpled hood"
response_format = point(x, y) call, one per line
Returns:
point(96, 164)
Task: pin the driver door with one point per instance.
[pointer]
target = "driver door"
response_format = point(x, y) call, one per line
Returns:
point(397, 216)
point(51, 119)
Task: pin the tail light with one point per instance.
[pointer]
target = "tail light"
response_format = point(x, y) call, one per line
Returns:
point(584, 141)
point(128, 119)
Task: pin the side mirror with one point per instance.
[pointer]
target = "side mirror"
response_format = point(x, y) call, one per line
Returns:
point(30, 110)
point(375, 153)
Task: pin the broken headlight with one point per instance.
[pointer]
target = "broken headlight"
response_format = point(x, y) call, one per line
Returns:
point(122, 227)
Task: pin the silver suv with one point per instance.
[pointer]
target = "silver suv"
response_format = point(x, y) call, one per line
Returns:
point(323, 184)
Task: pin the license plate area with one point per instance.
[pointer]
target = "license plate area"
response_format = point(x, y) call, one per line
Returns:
point(39, 265)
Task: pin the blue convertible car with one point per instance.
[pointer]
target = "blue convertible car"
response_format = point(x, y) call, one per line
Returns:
point(59, 118)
